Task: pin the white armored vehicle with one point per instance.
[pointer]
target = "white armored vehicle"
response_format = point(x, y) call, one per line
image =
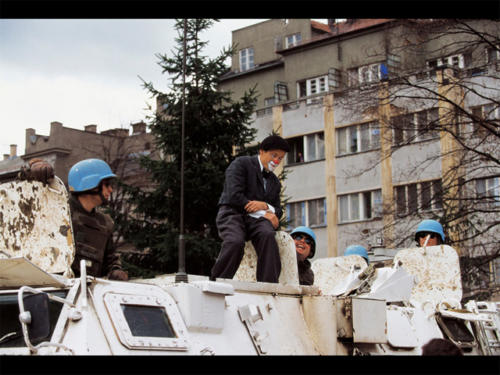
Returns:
point(351, 310)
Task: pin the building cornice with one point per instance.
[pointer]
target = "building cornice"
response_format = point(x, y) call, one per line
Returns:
point(259, 68)
point(53, 150)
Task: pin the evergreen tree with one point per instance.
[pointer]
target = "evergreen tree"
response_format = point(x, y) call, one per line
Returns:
point(215, 125)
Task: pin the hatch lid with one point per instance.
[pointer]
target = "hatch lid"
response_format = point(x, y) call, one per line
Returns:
point(16, 272)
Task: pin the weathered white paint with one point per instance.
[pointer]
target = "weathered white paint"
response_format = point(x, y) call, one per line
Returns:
point(289, 272)
point(36, 224)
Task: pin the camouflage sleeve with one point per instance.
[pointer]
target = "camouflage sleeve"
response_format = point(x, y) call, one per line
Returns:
point(111, 256)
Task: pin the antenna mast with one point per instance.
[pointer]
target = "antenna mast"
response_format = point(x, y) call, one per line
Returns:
point(181, 275)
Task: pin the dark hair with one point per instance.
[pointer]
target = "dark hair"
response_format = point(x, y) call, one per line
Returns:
point(313, 243)
point(441, 347)
point(274, 142)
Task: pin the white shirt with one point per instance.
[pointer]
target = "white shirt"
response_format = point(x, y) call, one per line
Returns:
point(270, 208)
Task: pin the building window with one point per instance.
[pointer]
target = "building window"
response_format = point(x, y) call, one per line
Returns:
point(311, 213)
point(280, 92)
point(417, 126)
point(482, 116)
point(302, 89)
point(352, 77)
point(306, 148)
point(268, 107)
point(292, 40)
point(295, 213)
point(492, 55)
point(427, 122)
point(488, 191)
point(246, 59)
point(296, 153)
point(315, 147)
point(316, 212)
point(269, 102)
point(363, 74)
point(358, 138)
point(456, 61)
point(496, 270)
point(311, 87)
point(360, 206)
point(369, 73)
point(418, 197)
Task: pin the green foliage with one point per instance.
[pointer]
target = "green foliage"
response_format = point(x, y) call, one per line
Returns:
point(214, 124)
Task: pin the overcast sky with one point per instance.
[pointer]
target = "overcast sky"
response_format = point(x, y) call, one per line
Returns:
point(82, 72)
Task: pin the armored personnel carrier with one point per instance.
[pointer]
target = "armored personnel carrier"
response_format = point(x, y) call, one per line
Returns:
point(353, 309)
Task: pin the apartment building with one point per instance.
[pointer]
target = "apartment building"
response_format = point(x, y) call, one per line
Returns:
point(65, 146)
point(366, 164)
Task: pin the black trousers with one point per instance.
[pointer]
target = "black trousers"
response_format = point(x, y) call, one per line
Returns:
point(234, 229)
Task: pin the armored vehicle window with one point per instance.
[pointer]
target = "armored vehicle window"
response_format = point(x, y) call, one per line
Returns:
point(148, 321)
point(11, 334)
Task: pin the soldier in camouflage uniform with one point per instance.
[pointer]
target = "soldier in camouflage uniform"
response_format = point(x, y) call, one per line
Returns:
point(90, 186)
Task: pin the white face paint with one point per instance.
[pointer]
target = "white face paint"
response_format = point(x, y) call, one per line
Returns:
point(271, 166)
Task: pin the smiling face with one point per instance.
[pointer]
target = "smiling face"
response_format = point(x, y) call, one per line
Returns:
point(303, 245)
point(271, 159)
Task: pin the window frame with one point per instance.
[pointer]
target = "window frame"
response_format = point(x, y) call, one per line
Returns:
point(320, 85)
point(249, 59)
point(305, 213)
point(440, 61)
point(296, 39)
point(373, 131)
point(280, 92)
point(319, 144)
point(491, 190)
point(364, 74)
point(417, 132)
point(496, 55)
point(484, 114)
point(371, 76)
point(362, 214)
point(432, 191)
point(113, 302)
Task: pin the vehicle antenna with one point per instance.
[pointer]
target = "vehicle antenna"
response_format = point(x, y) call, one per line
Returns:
point(181, 275)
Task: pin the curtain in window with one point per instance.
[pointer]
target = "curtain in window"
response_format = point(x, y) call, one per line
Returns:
point(341, 141)
point(344, 208)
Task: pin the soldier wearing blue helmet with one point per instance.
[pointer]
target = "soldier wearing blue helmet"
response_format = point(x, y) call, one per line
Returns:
point(90, 184)
point(305, 245)
point(357, 250)
point(429, 233)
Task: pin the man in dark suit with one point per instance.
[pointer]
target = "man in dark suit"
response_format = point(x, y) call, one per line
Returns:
point(249, 209)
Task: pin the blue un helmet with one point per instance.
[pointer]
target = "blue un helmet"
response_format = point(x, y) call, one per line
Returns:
point(310, 233)
point(431, 226)
point(357, 250)
point(87, 174)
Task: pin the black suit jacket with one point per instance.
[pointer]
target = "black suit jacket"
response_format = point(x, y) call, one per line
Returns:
point(244, 183)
